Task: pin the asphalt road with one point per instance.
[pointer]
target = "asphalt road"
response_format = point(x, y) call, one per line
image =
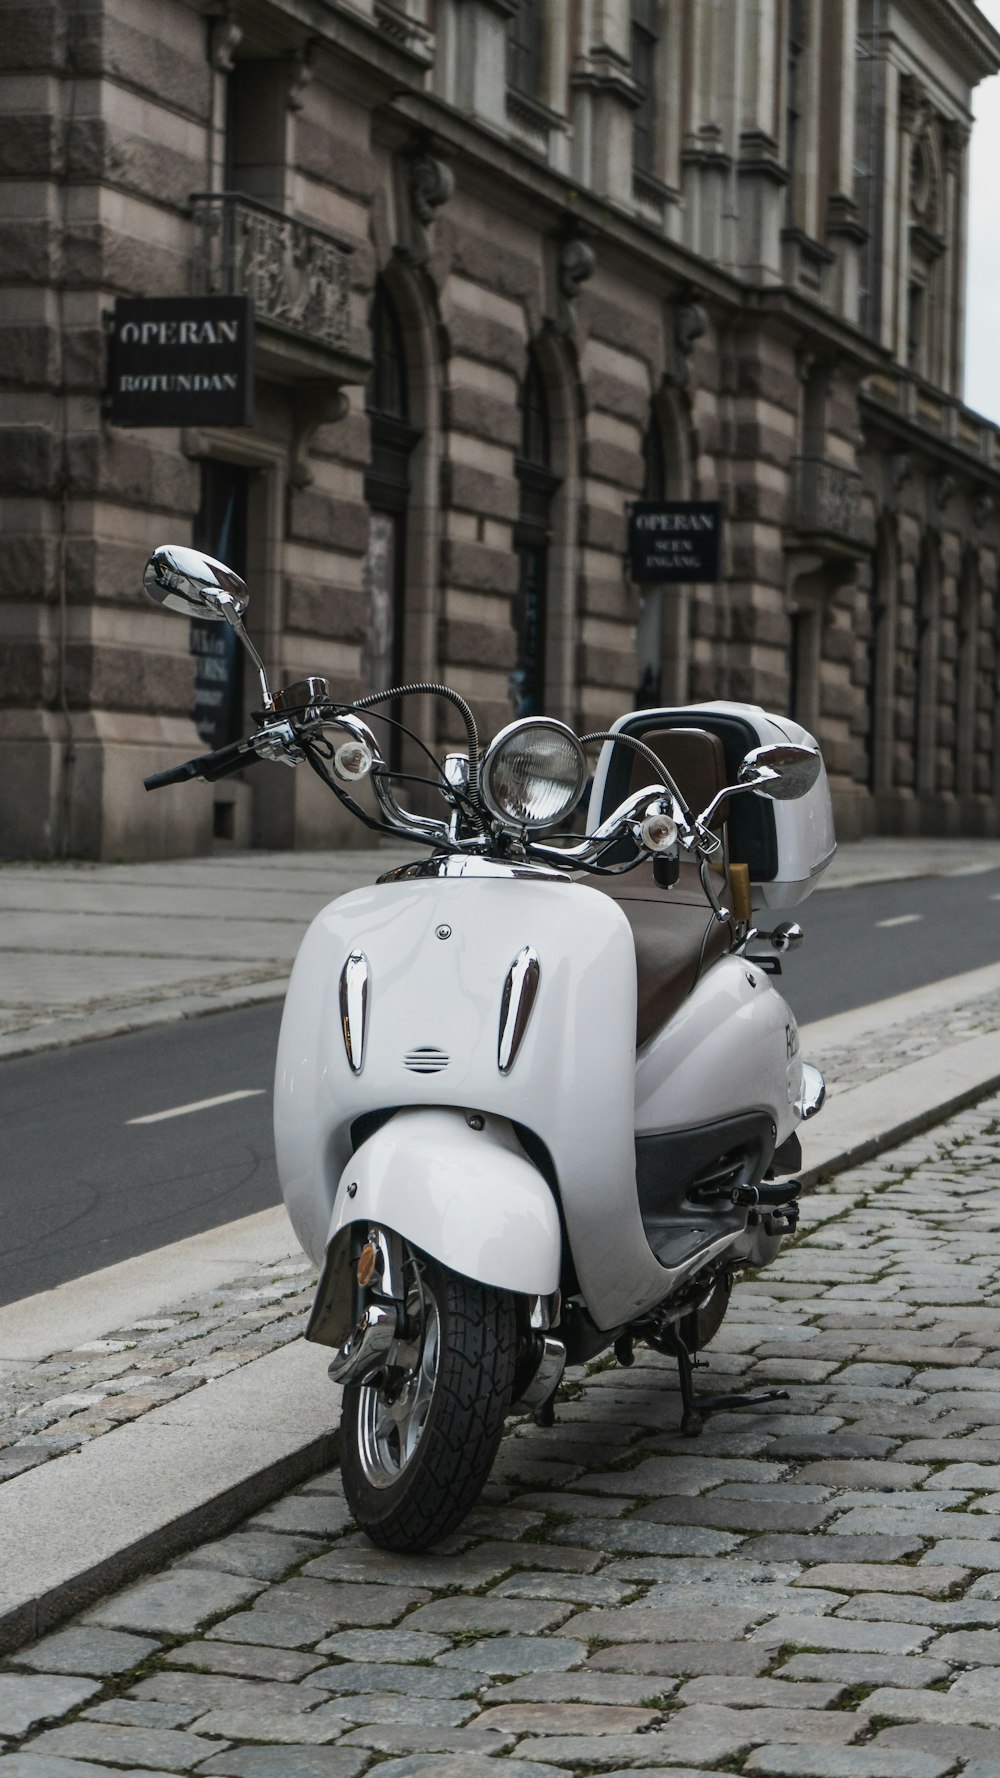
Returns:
point(85, 1185)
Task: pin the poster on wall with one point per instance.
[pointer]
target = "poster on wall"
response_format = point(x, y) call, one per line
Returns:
point(674, 540)
point(181, 361)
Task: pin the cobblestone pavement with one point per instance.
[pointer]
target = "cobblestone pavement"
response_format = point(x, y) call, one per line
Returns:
point(894, 1046)
point(811, 1589)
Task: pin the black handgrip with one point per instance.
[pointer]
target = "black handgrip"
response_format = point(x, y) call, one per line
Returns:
point(208, 765)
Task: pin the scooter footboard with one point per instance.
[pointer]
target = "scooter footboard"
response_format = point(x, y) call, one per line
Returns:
point(457, 1185)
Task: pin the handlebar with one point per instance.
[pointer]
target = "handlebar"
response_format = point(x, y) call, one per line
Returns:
point(209, 766)
point(656, 818)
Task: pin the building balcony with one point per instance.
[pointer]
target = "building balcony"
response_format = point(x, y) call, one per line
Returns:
point(296, 276)
point(827, 506)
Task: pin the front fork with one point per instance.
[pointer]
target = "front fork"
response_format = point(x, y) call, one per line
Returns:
point(380, 1321)
point(378, 1306)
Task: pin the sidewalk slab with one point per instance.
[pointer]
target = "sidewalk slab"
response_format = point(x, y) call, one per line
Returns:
point(885, 858)
point(91, 951)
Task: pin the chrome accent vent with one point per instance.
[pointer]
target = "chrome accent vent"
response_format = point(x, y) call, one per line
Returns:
point(426, 1060)
point(354, 1008)
point(519, 990)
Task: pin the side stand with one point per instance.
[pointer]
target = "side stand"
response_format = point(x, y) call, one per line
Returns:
point(694, 1406)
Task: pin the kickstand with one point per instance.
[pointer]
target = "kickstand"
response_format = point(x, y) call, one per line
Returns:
point(693, 1406)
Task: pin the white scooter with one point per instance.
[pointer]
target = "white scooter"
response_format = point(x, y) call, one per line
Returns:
point(532, 1093)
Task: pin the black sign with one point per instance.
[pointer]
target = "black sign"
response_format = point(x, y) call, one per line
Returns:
point(674, 540)
point(182, 361)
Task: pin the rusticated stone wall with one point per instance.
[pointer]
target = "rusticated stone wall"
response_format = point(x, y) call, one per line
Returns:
point(642, 308)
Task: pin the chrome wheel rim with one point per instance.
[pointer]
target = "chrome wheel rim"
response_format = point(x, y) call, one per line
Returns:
point(392, 1414)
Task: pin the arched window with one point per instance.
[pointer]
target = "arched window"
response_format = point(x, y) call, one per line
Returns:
point(537, 486)
point(387, 487)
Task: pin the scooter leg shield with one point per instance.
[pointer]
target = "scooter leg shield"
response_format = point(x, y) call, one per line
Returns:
point(456, 1185)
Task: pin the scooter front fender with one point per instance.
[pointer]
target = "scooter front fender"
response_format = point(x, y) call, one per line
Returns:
point(466, 1195)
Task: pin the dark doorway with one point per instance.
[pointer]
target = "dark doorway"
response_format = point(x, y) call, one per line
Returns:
point(220, 529)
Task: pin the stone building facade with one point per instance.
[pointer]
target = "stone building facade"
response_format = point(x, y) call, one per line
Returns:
point(514, 264)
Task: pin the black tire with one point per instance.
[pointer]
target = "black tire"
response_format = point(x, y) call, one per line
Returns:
point(408, 1506)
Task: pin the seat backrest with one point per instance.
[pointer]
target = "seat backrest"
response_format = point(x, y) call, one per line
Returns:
point(695, 760)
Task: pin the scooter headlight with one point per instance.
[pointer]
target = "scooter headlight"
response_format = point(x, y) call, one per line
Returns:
point(533, 773)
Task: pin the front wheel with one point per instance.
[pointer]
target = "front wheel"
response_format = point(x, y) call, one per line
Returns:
point(418, 1442)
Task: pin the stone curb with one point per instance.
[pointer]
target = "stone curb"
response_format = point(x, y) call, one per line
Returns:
point(188, 1471)
point(27, 1621)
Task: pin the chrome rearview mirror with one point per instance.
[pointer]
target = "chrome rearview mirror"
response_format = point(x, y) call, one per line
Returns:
point(185, 580)
point(782, 771)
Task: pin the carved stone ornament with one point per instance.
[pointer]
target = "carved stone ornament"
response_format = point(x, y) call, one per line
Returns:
point(925, 185)
point(302, 77)
point(900, 469)
point(225, 41)
point(955, 140)
point(689, 323)
point(982, 508)
point(428, 183)
point(944, 491)
point(314, 404)
point(576, 263)
point(913, 101)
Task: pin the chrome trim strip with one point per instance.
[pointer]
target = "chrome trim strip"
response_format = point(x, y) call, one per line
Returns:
point(813, 1095)
point(519, 992)
point(354, 1008)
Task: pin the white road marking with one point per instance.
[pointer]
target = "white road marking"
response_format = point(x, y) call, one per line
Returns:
point(157, 1117)
point(900, 920)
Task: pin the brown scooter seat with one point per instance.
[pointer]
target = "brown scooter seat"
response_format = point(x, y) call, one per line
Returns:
point(675, 933)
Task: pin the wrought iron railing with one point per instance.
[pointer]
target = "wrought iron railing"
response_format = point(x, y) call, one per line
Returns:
point(827, 499)
point(296, 276)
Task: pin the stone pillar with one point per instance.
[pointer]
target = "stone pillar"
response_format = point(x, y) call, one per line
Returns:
point(708, 144)
point(955, 137)
point(761, 178)
point(836, 73)
point(604, 99)
point(912, 102)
